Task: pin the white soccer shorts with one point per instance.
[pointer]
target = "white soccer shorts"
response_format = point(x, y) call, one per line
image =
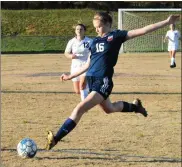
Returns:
point(172, 47)
point(75, 68)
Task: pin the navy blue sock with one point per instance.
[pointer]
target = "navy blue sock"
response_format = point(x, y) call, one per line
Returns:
point(67, 127)
point(129, 107)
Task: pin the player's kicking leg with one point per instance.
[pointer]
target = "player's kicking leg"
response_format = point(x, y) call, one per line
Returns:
point(122, 106)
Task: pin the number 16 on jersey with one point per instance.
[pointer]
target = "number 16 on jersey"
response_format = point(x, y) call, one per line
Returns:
point(99, 47)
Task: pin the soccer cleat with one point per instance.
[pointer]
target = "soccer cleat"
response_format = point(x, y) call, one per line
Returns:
point(173, 66)
point(50, 140)
point(140, 109)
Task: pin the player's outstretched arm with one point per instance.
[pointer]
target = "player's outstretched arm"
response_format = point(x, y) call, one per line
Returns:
point(152, 27)
point(65, 77)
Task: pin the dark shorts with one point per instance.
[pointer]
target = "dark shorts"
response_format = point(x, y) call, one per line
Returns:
point(101, 85)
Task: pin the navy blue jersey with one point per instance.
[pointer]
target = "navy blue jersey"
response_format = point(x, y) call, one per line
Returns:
point(104, 53)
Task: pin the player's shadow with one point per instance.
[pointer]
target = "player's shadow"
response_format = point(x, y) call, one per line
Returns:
point(107, 155)
point(91, 154)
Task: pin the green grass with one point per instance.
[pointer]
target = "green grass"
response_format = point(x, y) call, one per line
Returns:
point(47, 44)
point(42, 30)
point(50, 30)
point(34, 44)
point(45, 22)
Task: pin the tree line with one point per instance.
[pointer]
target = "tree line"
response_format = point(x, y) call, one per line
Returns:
point(105, 5)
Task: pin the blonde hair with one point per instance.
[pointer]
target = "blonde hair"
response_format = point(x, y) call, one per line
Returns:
point(104, 17)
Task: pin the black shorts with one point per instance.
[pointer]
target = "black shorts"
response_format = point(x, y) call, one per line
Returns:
point(101, 85)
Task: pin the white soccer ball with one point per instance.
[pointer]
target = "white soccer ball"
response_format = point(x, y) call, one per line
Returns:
point(27, 148)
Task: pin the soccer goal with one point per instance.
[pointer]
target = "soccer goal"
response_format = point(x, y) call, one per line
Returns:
point(129, 19)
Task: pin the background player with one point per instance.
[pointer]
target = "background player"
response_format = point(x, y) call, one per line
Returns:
point(100, 68)
point(172, 36)
point(77, 49)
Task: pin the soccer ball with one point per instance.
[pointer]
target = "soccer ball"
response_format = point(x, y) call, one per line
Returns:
point(27, 148)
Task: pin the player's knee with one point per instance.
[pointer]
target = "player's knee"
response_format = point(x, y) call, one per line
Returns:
point(110, 109)
point(77, 91)
point(81, 87)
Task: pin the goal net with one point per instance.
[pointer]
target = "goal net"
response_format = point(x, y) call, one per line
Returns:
point(129, 19)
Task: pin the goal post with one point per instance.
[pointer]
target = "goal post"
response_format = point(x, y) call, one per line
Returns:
point(129, 19)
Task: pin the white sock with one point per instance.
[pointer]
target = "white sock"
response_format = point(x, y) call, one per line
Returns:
point(83, 93)
point(172, 60)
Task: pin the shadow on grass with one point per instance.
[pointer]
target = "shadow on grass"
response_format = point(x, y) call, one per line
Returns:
point(106, 155)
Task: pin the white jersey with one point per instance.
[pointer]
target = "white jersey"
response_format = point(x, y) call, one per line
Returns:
point(173, 37)
point(82, 50)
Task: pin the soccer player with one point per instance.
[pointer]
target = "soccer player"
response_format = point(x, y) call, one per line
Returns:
point(172, 36)
point(77, 49)
point(100, 68)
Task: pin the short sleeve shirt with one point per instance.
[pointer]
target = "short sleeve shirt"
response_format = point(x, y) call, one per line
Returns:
point(173, 37)
point(104, 53)
point(79, 48)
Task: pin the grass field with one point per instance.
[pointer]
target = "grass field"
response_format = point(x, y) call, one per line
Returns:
point(34, 100)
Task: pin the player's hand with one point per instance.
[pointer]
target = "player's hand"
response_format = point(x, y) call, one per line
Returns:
point(173, 18)
point(65, 77)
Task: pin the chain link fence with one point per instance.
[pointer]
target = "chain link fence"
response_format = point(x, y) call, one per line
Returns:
point(57, 44)
point(148, 43)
